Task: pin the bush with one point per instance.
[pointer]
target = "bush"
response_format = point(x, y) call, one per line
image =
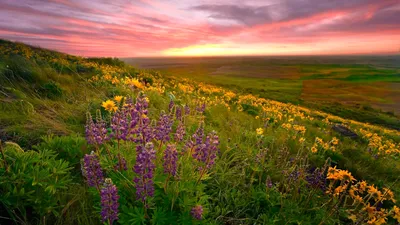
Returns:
point(31, 182)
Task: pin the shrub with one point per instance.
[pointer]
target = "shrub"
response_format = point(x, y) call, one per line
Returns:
point(31, 183)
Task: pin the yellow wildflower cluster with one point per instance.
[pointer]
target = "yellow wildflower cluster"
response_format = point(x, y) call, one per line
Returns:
point(319, 144)
point(364, 197)
point(133, 82)
point(380, 145)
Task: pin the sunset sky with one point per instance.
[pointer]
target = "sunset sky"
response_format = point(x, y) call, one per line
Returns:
point(124, 28)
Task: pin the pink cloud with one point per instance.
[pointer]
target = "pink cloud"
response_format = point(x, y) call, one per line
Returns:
point(150, 27)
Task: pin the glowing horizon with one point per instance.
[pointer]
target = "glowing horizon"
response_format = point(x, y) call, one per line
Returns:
point(161, 28)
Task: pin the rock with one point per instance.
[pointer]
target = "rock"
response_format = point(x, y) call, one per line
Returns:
point(344, 131)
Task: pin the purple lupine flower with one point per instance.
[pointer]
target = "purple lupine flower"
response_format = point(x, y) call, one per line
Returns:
point(207, 152)
point(187, 110)
point(96, 133)
point(196, 141)
point(170, 159)
point(92, 170)
point(123, 163)
point(180, 132)
point(139, 128)
point(109, 202)
point(164, 127)
point(144, 169)
point(316, 179)
point(197, 212)
point(171, 106)
point(90, 129)
point(178, 113)
point(119, 125)
point(201, 108)
point(199, 135)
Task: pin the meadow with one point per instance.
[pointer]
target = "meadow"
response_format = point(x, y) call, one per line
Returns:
point(364, 88)
point(97, 141)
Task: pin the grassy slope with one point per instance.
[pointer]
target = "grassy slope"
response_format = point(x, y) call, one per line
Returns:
point(32, 105)
point(39, 95)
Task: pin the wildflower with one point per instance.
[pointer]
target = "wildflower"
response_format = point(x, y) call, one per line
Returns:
point(197, 212)
point(187, 110)
point(301, 140)
point(353, 218)
point(180, 132)
point(207, 152)
point(335, 141)
point(118, 98)
point(257, 117)
point(171, 105)
point(144, 169)
point(109, 106)
point(96, 133)
point(109, 202)
point(115, 80)
point(178, 113)
point(259, 131)
point(134, 83)
point(316, 179)
point(388, 194)
point(170, 159)
point(164, 127)
point(396, 213)
point(119, 125)
point(314, 149)
point(92, 170)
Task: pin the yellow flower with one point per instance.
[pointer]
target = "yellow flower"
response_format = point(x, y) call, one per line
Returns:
point(353, 218)
point(134, 82)
point(314, 149)
point(396, 213)
point(260, 131)
point(118, 98)
point(301, 140)
point(335, 141)
point(257, 117)
point(109, 106)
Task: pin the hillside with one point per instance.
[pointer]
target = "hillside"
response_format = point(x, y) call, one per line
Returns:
point(178, 151)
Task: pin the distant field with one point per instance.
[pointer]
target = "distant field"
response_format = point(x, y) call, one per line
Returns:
point(349, 86)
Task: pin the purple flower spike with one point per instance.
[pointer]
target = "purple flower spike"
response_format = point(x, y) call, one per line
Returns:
point(187, 110)
point(180, 132)
point(171, 106)
point(96, 133)
point(170, 159)
point(164, 127)
point(197, 212)
point(178, 113)
point(109, 202)
point(207, 152)
point(92, 170)
point(144, 169)
point(119, 125)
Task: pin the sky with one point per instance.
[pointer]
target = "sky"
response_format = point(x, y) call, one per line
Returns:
point(141, 28)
